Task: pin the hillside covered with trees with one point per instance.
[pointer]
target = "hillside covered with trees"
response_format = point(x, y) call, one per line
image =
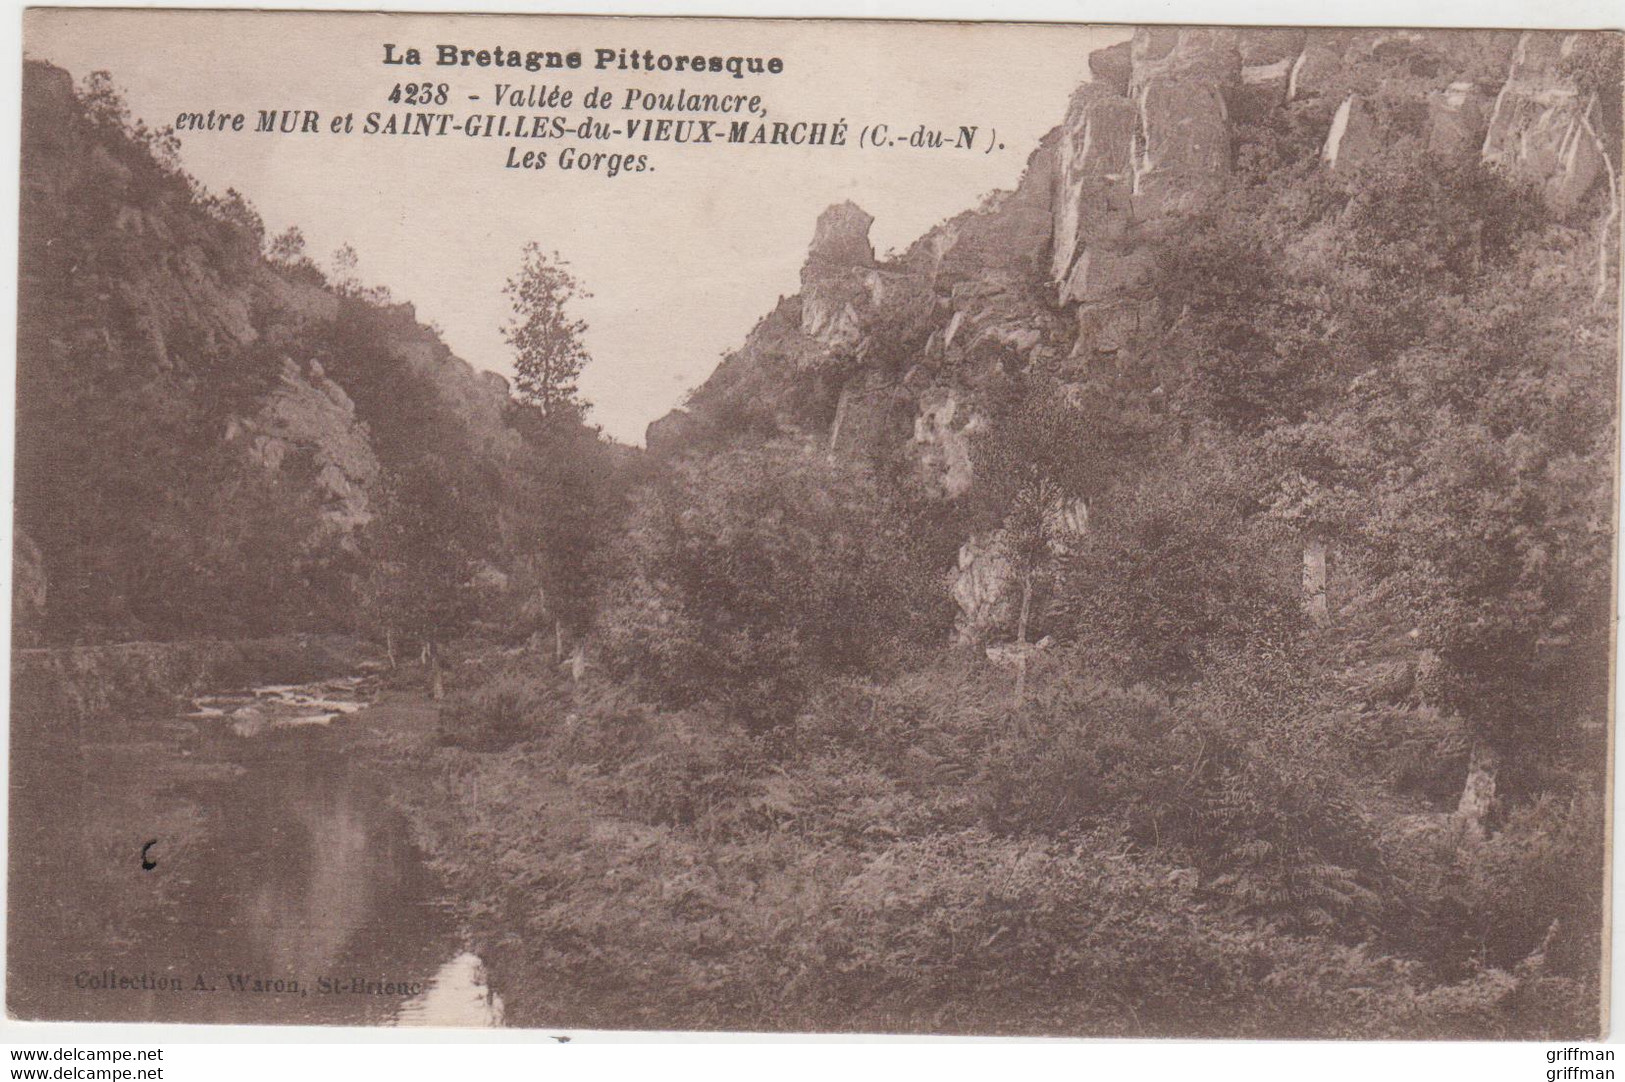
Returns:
point(1171, 598)
point(216, 437)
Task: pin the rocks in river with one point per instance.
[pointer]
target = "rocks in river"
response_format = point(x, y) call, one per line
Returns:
point(249, 721)
point(282, 706)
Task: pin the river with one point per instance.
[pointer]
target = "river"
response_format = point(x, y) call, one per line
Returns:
point(279, 886)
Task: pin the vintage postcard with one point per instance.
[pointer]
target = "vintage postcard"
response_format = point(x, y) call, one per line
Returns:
point(814, 526)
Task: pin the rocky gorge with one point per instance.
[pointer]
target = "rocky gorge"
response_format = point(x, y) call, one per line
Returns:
point(1171, 598)
point(1055, 277)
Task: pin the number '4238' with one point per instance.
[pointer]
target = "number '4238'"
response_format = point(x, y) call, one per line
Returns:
point(419, 94)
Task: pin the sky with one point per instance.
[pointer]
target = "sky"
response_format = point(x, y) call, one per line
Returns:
point(681, 260)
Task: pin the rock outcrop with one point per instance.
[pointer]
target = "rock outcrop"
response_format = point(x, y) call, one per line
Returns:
point(1053, 276)
point(834, 282)
point(1149, 140)
point(671, 433)
point(64, 690)
point(307, 414)
point(1180, 85)
point(478, 399)
point(982, 588)
point(1053, 272)
point(1541, 127)
point(944, 430)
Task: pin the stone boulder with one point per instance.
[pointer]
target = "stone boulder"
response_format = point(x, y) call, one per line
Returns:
point(982, 588)
point(943, 432)
point(307, 412)
point(249, 721)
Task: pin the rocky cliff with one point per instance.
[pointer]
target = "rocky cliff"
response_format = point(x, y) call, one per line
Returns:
point(192, 296)
point(1053, 276)
point(171, 374)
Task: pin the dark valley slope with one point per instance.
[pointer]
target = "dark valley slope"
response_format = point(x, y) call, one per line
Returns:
point(210, 440)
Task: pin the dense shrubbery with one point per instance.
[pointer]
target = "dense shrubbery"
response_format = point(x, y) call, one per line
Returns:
point(920, 858)
point(1176, 566)
point(750, 573)
point(141, 528)
point(504, 709)
point(1441, 417)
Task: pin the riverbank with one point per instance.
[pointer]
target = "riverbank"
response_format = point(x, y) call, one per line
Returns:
point(905, 859)
point(68, 686)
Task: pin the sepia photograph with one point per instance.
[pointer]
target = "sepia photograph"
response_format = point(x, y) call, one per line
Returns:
point(821, 526)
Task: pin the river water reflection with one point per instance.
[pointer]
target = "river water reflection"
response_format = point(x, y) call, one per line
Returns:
point(285, 888)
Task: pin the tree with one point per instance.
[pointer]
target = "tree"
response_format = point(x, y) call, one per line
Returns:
point(287, 252)
point(549, 353)
point(346, 278)
point(347, 270)
point(423, 553)
point(564, 506)
point(287, 247)
point(1043, 523)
